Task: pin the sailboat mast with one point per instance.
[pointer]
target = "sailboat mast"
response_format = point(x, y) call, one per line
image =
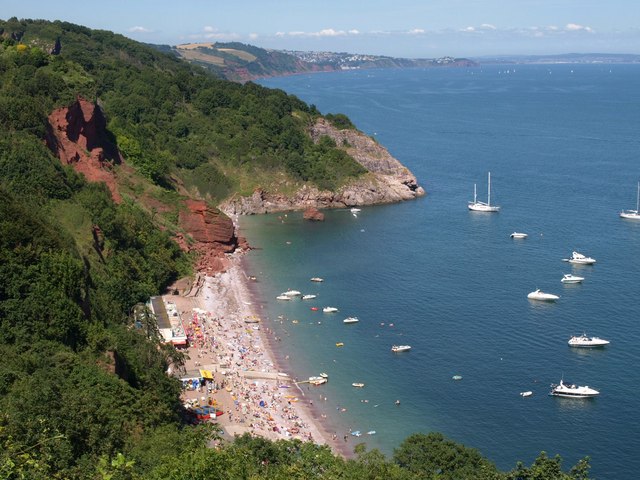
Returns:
point(489, 190)
point(475, 194)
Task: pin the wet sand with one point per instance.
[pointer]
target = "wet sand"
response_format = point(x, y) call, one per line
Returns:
point(251, 384)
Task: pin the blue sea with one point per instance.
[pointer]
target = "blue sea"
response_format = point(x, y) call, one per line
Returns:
point(562, 143)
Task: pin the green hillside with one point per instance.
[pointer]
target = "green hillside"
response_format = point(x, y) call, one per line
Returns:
point(83, 388)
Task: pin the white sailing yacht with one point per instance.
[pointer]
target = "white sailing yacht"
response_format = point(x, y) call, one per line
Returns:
point(633, 214)
point(477, 206)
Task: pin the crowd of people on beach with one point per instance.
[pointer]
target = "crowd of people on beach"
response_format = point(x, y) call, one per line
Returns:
point(244, 383)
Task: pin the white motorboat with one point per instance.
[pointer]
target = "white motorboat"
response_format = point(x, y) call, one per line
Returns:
point(633, 214)
point(329, 309)
point(317, 279)
point(324, 375)
point(400, 348)
point(518, 235)
point(283, 297)
point(357, 384)
point(540, 295)
point(351, 320)
point(317, 380)
point(572, 391)
point(587, 342)
point(580, 259)
point(569, 278)
point(477, 206)
point(309, 297)
point(528, 393)
point(292, 293)
point(356, 210)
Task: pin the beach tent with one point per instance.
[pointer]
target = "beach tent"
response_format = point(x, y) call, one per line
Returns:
point(206, 374)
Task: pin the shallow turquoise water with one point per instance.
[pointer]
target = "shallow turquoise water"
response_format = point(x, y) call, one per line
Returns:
point(562, 146)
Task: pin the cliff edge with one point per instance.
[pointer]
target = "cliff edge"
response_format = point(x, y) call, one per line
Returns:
point(388, 181)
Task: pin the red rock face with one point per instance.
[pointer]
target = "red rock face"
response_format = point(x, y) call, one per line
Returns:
point(77, 136)
point(213, 234)
point(313, 214)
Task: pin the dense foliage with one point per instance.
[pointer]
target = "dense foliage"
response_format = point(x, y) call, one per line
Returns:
point(168, 117)
point(83, 393)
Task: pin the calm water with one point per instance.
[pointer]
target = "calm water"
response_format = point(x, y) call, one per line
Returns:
point(562, 146)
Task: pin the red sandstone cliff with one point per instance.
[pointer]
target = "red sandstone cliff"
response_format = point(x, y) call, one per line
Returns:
point(77, 135)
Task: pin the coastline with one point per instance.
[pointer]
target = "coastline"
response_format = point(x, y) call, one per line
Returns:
point(250, 380)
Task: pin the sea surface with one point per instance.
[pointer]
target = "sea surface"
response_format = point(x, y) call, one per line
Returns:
point(562, 144)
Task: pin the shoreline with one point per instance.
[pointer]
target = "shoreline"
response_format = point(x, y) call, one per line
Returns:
point(250, 382)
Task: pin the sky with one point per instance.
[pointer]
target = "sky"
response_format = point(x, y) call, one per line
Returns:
point(399, 28)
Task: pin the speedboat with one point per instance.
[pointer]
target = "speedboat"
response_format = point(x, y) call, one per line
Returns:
point(540, 295)
point(292, 293)
point(317, 380)
point(400, 348)
point(317, 279)
point(572, 391)
point(283, 297)
point(528, 393)
point(309, 297)
point(569, 278)
point(324, 375)
point(329, 309)
point(580, 259)
point(351, 320)
point(587, 342)
point(519, 235)
point(357, 384)
point(356, 210)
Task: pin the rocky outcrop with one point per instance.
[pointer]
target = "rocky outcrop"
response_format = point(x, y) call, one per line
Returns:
point(77, 136)
point(313, 214)
point(388, 181)
point(211, 235)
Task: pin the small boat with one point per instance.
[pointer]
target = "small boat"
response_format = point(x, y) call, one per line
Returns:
point(251, 320)
point(528, 393)
point(356, 210)
point(540, 295)
point(477, 206)
point(357, 385)
point(579, 259)
point(339, 344)
point(292, 293)
point(283, 297)
point(317, 380)
point(329, 309)
point(351, 320)
point(356, 433)
point(457, 377)
point(371, 432)
point(314, 309)
point(569, 278)
point(324, 375)
point(317, 279)
point(400, 348)
point(309, 297)
point(633, 214)
point(587, 342)
point(572, 391)
point(518, 235)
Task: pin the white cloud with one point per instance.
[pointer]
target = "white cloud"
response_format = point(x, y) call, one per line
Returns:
point(139, 29)
point(416, 31)
point(209, 29)
point(325, 32)
point(354, 32)
point(253, 36)
point(574, 27)
point(222, 36)
point(329, 32)
point(488, 26)
point(469, 29)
